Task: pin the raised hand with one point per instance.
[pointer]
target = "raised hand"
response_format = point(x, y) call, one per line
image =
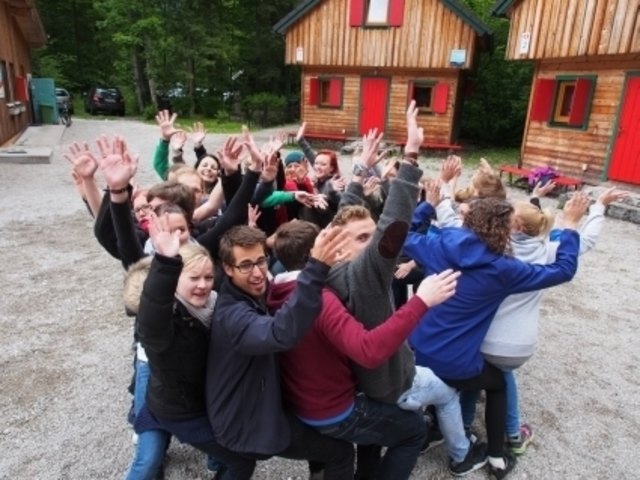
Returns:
point(117, 164)
point(338, 184)
point(403, 269)
point(277, 141)
point(164, 241)
point(300, 134)
point(178, 140)
point(451, 167)
point(370, 143)
point(432, 192)
point(436, 289)
point(370, 186)
point(540, 190)
point(198, 134)
point(257, 156)
point(269, 167)
point(83, 161)
point(253, 214)
point(574, 210)
point(611, 195)
point(165, 121)
point(415, 135)
point(230, 155)
point(329, 244)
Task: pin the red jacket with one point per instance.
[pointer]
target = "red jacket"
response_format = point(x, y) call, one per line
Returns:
point(316, 375)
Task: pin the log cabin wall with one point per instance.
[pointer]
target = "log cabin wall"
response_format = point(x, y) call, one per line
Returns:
point(429, 32)
point(344, 120)
point(573, 28)
point(17, 19)
point(569, 149)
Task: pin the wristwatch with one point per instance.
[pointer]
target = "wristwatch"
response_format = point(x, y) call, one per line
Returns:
point(360, 171)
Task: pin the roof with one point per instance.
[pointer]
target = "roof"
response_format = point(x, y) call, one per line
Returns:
point(500, 7)
point(456, 7)
point(25, 14)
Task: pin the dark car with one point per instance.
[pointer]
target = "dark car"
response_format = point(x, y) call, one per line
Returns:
point(63, 97)
point(104, 99)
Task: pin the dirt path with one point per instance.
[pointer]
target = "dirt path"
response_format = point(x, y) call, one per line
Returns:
point(66, 346)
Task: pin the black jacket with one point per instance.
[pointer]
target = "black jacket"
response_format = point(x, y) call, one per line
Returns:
point(244, 402)
point(176, 345)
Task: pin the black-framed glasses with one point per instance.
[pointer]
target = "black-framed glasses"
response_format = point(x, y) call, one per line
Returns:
point(247, 266)
point(143, 208)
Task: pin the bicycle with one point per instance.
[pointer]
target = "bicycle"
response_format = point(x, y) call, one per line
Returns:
point(65, 116)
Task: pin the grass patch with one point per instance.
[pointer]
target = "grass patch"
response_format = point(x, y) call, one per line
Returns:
point(496, 156)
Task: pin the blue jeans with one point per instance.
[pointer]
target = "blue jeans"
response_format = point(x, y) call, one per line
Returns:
point(374, 423)
point(428, 389)
point(469, 399)
point(152, 444)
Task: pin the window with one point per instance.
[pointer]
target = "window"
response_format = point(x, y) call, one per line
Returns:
point(326, 92)
point(563, 101)
point(376, 13)
point(430, 96)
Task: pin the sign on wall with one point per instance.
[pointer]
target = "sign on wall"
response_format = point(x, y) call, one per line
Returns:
point(525, 41)
point(1, 85)
point(458, 58)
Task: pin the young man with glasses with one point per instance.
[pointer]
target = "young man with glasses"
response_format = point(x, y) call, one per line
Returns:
point(244, 401)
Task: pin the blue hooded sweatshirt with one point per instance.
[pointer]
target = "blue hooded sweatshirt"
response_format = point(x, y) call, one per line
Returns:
point(449, 336)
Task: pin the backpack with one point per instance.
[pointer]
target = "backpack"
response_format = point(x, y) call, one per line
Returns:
point(542, 175)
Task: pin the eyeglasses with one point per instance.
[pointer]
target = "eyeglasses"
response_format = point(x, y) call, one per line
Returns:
point(247, 266)
point(142, 208)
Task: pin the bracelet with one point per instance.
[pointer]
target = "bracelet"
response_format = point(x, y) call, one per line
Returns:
point(117, 190)
point(412, 158)
point(413, 155)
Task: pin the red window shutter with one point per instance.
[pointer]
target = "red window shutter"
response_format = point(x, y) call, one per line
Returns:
point(543, 100)
point(356, 13)
point(314, 92)
point(440, 97)
point(396, 13)
point(21, 89)
point(335, 92)
point(580, 103)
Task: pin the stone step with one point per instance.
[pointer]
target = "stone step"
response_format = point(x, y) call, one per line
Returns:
point(31, 155)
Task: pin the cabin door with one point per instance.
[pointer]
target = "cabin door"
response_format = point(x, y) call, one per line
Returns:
point(625, 158)
point(374, 98)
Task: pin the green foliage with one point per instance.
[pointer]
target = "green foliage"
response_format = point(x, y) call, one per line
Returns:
point(496, 156)
point(149, 112)
point(264, 108)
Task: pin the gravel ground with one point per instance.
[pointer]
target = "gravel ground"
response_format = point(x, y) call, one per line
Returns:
point(66, 351)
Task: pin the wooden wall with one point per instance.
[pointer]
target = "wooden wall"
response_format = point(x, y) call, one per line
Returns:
point(13, 50)
point(573, 28)
point(568, 149)
point(438, 127)
point(428, 34)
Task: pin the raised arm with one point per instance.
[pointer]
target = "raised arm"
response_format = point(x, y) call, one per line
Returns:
point(309, 153)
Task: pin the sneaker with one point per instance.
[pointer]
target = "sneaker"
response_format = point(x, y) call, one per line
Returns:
point(434, 438)
point(518, 443)
point(500, 473)
point(476, 458)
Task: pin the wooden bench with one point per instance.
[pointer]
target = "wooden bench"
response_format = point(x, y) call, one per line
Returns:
point(521, 172)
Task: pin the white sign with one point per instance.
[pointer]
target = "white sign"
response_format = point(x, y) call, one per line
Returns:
point(299, 54)
point(458, 58)
point(525, 41)
point(1, 84)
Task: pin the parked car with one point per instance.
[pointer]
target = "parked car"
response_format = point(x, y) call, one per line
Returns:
point(64, 97)
point(104, 99)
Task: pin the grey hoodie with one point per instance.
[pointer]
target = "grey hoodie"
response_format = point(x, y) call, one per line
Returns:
point(364, 284)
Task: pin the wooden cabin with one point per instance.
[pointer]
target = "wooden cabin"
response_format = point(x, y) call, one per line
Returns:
point(364, 60)
point(584, 108)
point(20, 31)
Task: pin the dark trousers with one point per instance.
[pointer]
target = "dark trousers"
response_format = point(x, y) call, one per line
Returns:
point(374, 423)
point(399, 286)
point(491, 380)
point(306, 444)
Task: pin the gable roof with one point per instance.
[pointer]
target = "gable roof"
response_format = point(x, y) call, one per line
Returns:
point(456, 7)
point(500, 7)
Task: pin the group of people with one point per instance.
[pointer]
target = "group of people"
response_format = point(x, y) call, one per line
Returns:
point(262, 291)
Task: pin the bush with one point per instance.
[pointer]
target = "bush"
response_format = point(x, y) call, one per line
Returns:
point(149, 112)
point(264, 108)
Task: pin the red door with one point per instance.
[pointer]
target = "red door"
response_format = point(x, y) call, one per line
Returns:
point(374, 96)
point(625, 158)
